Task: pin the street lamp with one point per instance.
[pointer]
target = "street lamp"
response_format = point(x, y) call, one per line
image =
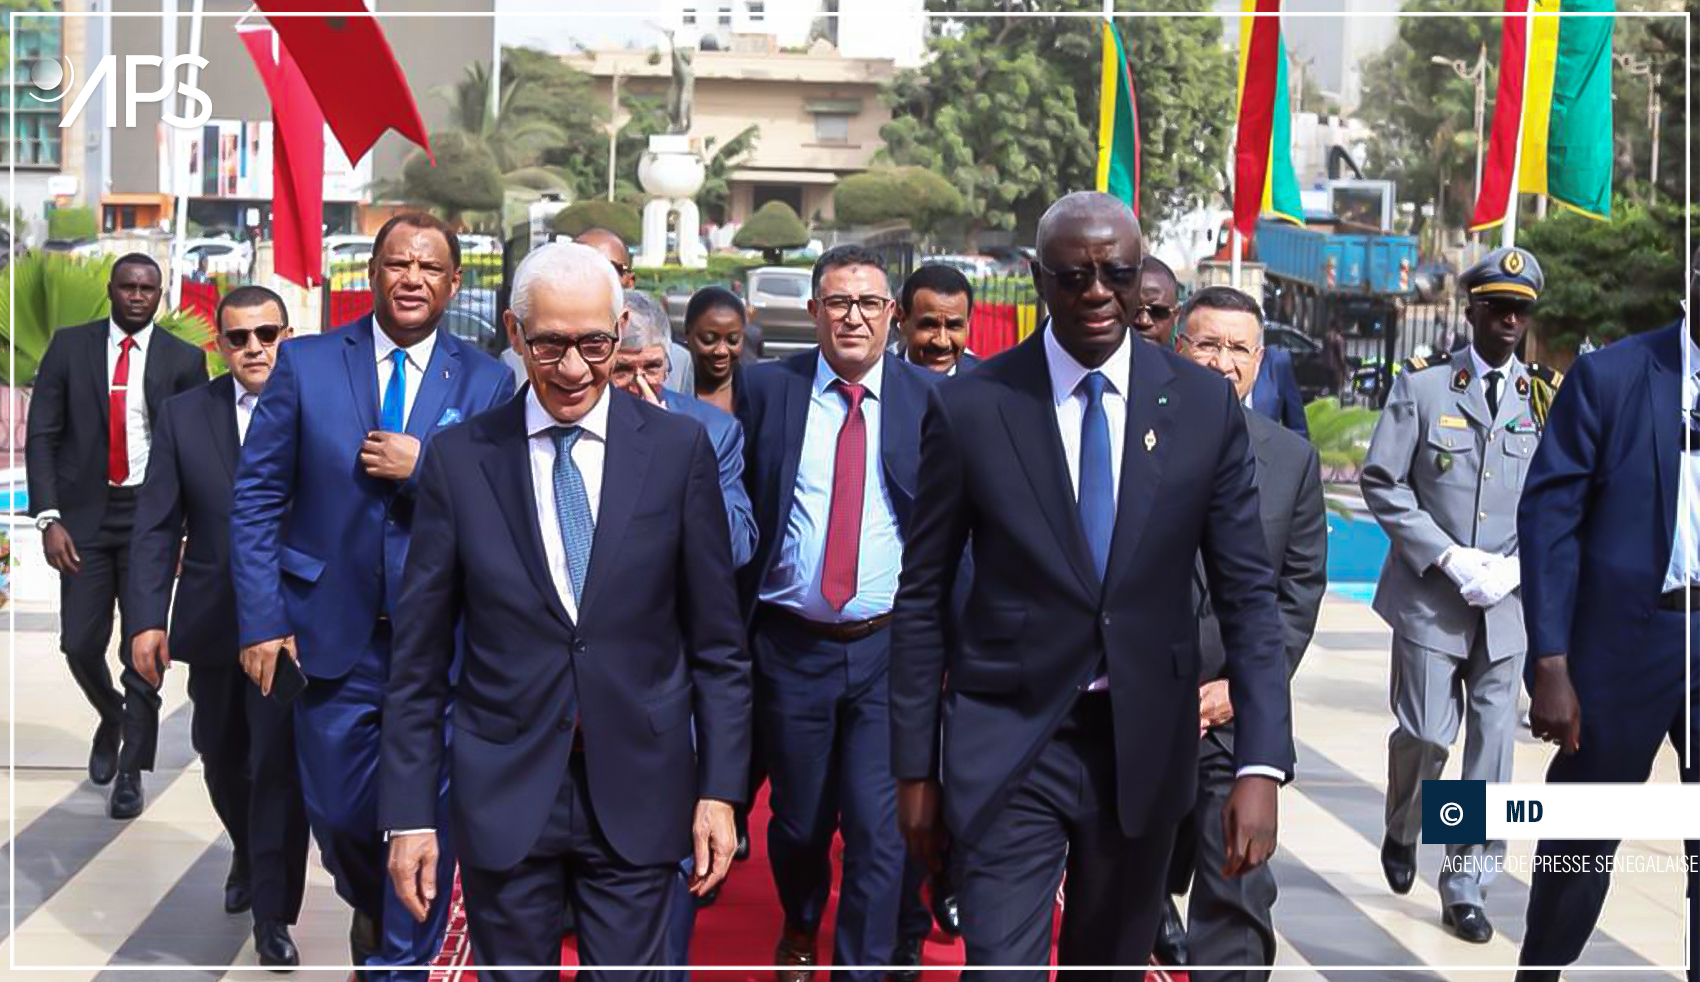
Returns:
point(1478, 75)
point(1634, 65)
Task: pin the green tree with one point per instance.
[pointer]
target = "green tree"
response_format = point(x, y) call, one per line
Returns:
point(1605, 280)
point(464, 179)
point(72, 224)
point(516, 135)
point(772, 229)
point(1006, 109)
point(715, 196)
point(615, 216)
point(897, 194)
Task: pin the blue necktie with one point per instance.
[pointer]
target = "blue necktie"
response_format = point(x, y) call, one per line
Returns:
point(572, 508)
point(393, 417)
point(1097, 488)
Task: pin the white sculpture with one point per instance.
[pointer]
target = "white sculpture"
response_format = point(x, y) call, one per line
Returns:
point(672, 172)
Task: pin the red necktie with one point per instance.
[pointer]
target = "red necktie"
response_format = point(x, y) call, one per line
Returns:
point(118, 452)
point(844, 522)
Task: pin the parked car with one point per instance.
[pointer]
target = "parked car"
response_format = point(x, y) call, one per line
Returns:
point(1310, 361)
point(215, 255)
point(777, 298)
point(472, 317)
point(973, 267)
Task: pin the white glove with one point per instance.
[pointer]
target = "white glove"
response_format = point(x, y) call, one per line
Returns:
point(1464, 564)
point(1500, 577)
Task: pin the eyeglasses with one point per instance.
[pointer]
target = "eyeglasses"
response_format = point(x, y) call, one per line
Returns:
point(621, 268)
point(871, 306)
point(1507, 308)
point(1155, 311)
point(1116, 276)
point(237, 337)
point(593, 348)
point(1211, 349)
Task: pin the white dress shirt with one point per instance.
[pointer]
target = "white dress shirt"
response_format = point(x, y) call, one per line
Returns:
point(418, 357)
point(795, 580)
point(589, 452)
point(1070, 400)
point(1480, 366)
point(1684, 568)
point(245, 401)
point(136, 432)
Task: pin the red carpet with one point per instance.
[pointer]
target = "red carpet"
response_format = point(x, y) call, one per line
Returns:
point(741, 927)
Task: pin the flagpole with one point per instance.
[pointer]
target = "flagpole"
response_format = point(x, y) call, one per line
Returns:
point(1508, 228)
point(179, 161)
point(1234, 264)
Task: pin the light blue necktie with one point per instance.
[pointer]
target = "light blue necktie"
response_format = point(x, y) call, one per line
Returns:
point(1097, 490)
point(393, 417)
point(572, 508)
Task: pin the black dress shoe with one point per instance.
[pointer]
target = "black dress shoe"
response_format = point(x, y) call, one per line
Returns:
point(743, 851)
point(362, 938)
point(274, 946)
point(1399, 865)
point(942, 900)
point(906, 962)
point(1469, 922)
point(103, 755)
point(238, 891)
point(1530, 975)
point(1170, 948)
point(741, 823)
point(126, 800)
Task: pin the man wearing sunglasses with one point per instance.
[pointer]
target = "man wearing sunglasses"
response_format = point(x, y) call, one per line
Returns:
point(603, 700)
point(246, 742)
point(320, 527)
point(1086, 467)
point(1155, 318)
point(833, 438)
point(1443, 475)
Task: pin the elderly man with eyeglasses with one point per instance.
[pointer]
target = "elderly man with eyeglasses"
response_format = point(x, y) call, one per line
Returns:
point(602, 704)
point(834, 444)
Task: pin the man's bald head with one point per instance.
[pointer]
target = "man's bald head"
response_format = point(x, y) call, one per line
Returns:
point(1089, 209)
point(1090, 250)
point(612, 246)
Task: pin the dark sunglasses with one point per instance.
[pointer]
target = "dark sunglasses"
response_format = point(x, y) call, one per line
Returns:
point(237, 337)
point(1155, 311)
point(1116, 276)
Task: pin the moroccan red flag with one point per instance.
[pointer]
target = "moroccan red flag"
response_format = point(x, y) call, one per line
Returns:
point(298, 163)
point(351, 70)
point(1261, 65)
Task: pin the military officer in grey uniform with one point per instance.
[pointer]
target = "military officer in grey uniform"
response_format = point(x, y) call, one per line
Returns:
point(1442, 476)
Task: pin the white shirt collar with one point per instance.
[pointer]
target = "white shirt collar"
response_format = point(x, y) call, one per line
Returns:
point(117, 334)
point(538, 420)
point(1482, 367)
point(1692, 361)
point(1066, 373)
point(825, 376)
point(418, 356)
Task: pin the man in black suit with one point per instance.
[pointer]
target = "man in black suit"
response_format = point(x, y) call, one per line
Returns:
point(246, 741)
point(599, 620)
point(1158, 311)
point(1068, 698)
point(932, 320)
point(833, 442)
point(89, 435)
point(1229, 921)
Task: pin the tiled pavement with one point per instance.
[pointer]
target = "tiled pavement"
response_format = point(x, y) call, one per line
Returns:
point(99, 894)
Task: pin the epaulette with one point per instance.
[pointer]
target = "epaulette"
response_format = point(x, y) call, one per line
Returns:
point(1417, 363)
point(1550, 376)
point(1545, 384)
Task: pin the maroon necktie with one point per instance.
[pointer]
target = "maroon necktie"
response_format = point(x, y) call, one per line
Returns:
point(844, 522)
point(118, 445)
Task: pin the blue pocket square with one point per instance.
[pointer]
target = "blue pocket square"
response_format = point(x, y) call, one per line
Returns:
point(451, 416)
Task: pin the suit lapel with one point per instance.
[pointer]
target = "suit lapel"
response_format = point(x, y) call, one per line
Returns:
point(434, 387)
point(1032, 425)
point(221, 420)
point(1664, 388)
point(798, 388)
point(360, 354)
point(898, 405)
point(155, 370)
point(1513, 402)
point(95, 358)
point(1145, 445)
point(1472, 402)
point(508, 470)
point(625, 463)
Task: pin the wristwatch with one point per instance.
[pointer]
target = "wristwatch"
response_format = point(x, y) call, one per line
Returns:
point(42, 522)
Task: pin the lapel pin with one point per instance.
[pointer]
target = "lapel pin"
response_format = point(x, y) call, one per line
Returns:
point(445, 375)
point(1162, 400)
point(1150, 440)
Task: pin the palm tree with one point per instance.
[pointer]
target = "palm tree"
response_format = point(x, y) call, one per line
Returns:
point(515, 141)
point(715, 197)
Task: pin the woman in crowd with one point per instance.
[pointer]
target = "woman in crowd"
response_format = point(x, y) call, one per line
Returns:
point(714, 333)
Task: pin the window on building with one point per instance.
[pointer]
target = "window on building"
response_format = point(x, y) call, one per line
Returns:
point(36, 140)
point(832, 128)
point(757, 10)
point(725, 18)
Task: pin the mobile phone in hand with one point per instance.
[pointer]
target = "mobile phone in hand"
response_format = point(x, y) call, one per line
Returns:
point(288, 682)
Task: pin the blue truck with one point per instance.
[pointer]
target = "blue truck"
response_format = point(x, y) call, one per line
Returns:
point(1341, 278)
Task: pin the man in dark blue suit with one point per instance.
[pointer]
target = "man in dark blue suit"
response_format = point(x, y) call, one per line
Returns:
point(600, 623)
point(319, 530)
point(1085, 467)
point(1276, 394)
point(246, 742)
point(1607, 583)
point(833, 439)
